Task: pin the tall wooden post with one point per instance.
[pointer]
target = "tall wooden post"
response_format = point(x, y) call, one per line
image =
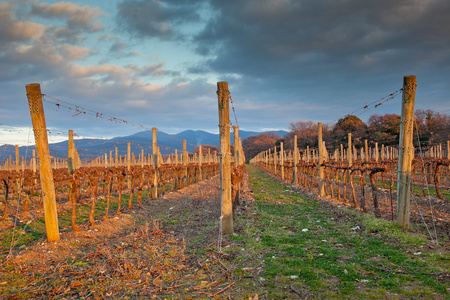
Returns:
point(307, 154)
point(406, 151)
point(321, 167)
point(282, 160)
point(295, 160)
point(17, 158)
point(34, 162)
point(225, 168)
point(70, 153)
point(236, 149)
point(376, 152)
point(185, 164)
point(116, 160)
point(155, 164)
point(349, 151)
point(366, 151)
point(200, 161)
point(275, 160)
point(129, 165)
point(448, 150)
point(46, 173)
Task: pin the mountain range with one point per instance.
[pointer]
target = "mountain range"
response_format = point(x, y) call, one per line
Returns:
point(90, 148)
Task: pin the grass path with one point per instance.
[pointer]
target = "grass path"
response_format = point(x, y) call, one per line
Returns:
point(299, 247)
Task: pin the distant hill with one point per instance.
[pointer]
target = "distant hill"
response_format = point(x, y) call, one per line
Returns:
point(90, 148)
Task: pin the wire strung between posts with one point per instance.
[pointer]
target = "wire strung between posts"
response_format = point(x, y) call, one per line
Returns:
point(234, 111)
point(19, 200)
point(86, 111)
point(372, 105)
point(428, 190)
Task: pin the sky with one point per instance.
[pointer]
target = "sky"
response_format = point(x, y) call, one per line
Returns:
point(156, 63)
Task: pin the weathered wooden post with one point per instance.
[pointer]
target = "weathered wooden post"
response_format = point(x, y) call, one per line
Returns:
point(236, 149)
point(116, 157)
point(448, 150)
point(225, 168)
point(282, 160)
point(376, 152)
point(46, 173)
point(200, 161)
point(321, 167)
point(349, 151)
point(295, 160)
point(185, 164)
point(129, 165)
point(34, 162)
point(307, 154)
point(17, 158)
point(406, 151)
point(155, 164)
point(241, 152)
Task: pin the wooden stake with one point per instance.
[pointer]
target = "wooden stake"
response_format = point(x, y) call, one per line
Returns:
point(236, 149)
point(70, 153)
point(406, 151)
point(155, 164)
point(225, 168)
point(295, 160)
point(349, 151)
point(282, 160)
point(46, 173)
point(321, 167)
point(17, 158)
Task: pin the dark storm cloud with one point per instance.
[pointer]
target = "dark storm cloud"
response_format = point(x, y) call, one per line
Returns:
point(315, 36)
point(155, 18)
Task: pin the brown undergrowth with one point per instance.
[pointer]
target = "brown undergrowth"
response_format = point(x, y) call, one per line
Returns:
point(165, 249)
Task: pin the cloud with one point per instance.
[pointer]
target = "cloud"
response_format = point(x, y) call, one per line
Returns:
point(78, 17)
point(154, 69)
point(12, 30)
point(157, 19)
point(300, 36)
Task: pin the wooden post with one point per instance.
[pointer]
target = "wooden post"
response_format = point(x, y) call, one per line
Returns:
point(34, 162)
point(155, 164)
point(17, 159)
point(46, 173)
point(282, 160)
point(406, 151)
point(185, 164)
point(200, 161)
point(236, 149)
point(129, 165)
point(241, 152)
point(376, 152)
point(321, 167)
point(366, 151)
point(349, 151)
point(225, 168)
point(448, 150)
point(295, 160)
point(116, 162)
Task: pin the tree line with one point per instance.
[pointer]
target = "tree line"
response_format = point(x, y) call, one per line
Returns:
point(430, 128)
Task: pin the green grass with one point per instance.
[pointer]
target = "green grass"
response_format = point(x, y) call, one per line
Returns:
point(330, 251)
